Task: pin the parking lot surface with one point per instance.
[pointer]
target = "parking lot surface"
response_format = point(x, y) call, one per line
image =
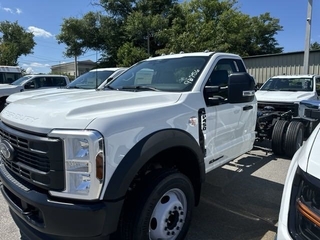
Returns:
point(239, 201)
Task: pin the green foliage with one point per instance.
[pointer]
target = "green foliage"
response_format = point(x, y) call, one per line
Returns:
point(128, 55)
point(315, 46)
point(131, 29)
point(14, 42)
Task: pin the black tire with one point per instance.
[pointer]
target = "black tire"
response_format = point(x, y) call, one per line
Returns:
point(310, 127)
point(278, 136)
point(165, 198)
point(294, 138)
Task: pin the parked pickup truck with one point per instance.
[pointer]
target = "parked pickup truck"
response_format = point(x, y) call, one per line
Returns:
point(299, 216)
point(31, 82)
point(281, 116)
point(96, 78)
point(126, 161)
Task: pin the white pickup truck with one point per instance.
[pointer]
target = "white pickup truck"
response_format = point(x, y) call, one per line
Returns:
point(94, 79)
point(31, 82)
point(299, 216)
point(282, 101)
point(128, 161)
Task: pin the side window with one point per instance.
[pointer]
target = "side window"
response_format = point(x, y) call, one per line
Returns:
point(318, 85)
point(219, 78)
point(58, 81)
point(30, 84)
point(39, 82)
point(2, 78)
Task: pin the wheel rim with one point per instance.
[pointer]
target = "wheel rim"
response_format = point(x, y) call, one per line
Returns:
point(168, 216)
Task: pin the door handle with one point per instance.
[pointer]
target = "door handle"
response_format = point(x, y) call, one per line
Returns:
point(248, 107)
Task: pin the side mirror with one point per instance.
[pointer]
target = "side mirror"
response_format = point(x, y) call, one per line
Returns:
point(209, 92)
point(241, 88)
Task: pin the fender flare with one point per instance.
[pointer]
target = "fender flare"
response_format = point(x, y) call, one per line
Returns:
point(142, 152)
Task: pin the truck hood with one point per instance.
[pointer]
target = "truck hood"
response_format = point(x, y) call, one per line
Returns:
point(26, 94)
point(75, 110)
point(283, 96)
point(8, 86)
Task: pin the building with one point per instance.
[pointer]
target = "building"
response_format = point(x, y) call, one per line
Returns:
point(69, 68)
point(265, 66)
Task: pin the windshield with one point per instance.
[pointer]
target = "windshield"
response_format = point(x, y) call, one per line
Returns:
point(175, 75)
point(21, 80)
point(90, 80)
point(288, 84)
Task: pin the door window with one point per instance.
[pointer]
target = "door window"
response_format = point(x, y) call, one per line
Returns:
point(219, 78)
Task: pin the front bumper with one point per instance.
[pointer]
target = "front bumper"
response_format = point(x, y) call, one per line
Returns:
point(41, 217)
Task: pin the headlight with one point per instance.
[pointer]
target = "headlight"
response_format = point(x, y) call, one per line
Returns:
point(304, 212)
point(84, 164)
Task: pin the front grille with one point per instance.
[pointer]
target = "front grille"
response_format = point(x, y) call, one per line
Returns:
point(280, 107)
point(37, 159)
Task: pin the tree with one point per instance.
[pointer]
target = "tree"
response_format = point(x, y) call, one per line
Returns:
point(128, 55)
point(315, 46)
point(219, 26)
point(162, 26)
point(15, 41)
point(79, 35)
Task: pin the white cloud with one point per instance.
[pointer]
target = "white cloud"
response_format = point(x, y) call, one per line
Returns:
point(38, 32)
point(34, 68)
point(8, 10)
point(35, 64)
point(29, 70)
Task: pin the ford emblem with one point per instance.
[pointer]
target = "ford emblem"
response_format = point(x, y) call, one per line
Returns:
point(6, 149)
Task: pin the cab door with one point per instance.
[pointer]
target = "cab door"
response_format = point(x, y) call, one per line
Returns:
point(229, 126)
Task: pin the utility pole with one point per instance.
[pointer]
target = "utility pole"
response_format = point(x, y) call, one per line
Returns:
point(307, 39)
point(75, 67)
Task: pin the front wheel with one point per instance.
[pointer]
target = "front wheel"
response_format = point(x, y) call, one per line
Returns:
point(160, 208)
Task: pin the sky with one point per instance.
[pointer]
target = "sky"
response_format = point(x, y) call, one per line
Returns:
point(44, 19)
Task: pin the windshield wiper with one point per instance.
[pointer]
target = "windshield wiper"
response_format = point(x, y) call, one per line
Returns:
point(73, 87)
point(289, 90)
point(109, 87)
point(140, 88)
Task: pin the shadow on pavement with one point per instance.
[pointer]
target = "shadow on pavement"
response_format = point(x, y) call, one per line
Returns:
point(235, 203)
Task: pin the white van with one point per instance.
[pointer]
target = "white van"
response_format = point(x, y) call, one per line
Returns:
point(9, 74)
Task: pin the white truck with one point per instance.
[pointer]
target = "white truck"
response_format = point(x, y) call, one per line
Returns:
point(299, 216)
point(94, 79)
point(282, 101)
point(128, 161)
point(9, 74)
point(31, 82)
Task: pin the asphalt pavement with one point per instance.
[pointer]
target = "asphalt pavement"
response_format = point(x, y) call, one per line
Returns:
point(239, 201)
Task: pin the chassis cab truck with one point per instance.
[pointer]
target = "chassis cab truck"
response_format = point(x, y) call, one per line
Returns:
point(126, 161)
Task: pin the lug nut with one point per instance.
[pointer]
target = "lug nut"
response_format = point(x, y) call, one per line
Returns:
point(172, 233)
point(178, 228)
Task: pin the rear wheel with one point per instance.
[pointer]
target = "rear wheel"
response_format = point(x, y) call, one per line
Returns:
point(160, 208)
point(294, 138)
point(278, 135)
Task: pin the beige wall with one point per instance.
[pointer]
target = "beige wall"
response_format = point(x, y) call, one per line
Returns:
point(266, 66)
